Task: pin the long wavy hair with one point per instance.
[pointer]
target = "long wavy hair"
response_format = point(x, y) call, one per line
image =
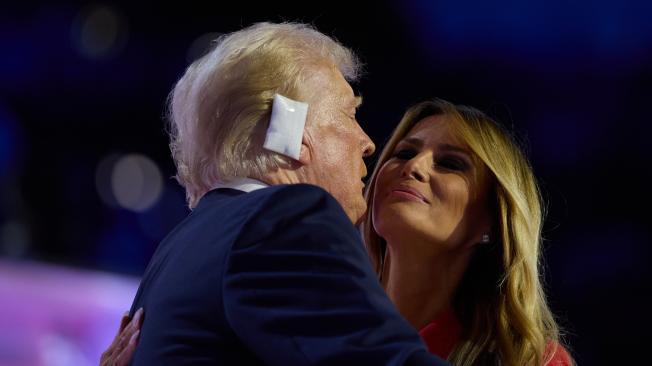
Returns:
point(500, 300)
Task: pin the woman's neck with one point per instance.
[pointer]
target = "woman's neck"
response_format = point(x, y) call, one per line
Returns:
point(422, 286)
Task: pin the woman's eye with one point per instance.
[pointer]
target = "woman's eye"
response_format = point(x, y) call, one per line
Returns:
point(405, 154)
point(451, 163)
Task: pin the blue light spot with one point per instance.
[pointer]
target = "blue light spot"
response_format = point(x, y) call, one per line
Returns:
point(9, 141)
point(535, 32)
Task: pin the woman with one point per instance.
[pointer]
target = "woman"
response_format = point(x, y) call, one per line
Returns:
point(453, 230)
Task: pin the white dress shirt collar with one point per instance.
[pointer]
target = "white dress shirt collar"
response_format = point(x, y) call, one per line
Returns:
point(242, 184)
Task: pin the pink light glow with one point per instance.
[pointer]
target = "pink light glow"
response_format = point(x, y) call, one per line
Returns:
point(52, 315)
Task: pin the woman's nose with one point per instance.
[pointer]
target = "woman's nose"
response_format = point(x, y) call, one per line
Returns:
point(417, 168)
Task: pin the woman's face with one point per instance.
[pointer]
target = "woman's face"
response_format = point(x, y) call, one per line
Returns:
point(432, 191)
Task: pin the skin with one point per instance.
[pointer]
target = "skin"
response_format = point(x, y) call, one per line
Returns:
point(332, 152)
point(431, 206)
point(430, 232)
point(333, 144)
point(124, 344)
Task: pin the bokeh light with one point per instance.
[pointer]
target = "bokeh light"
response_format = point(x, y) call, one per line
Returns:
point(99, 31)
point(58, 316)
point(83, 87)
point(132, 181)
point(14, 238)
point(9, 141)
point(103, 174)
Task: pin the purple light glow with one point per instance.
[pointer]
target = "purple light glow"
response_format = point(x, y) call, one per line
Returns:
point(53, 315)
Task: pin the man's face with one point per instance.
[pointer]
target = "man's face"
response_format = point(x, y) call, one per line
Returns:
point(338, 142)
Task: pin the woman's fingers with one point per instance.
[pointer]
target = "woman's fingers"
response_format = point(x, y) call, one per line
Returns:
point(124, 343)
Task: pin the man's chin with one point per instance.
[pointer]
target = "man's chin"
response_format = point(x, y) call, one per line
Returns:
point(359, 216)
point(354, 207)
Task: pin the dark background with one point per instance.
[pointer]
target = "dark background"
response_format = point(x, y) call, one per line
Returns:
point(81, 83)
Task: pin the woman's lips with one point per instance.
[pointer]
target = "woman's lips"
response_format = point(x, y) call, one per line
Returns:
point(410, 194)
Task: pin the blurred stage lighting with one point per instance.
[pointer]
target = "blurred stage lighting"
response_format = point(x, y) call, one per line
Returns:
point(56, 316)
point(99, 31)
point(133, 182)
point(9, 142)
point(14, 238)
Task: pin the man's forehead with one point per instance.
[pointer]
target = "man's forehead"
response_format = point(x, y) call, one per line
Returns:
point(329, 83)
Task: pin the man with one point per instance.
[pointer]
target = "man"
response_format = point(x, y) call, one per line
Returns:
point(268, 268)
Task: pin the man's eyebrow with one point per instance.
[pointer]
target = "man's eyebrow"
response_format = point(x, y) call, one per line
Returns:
point(358, 101)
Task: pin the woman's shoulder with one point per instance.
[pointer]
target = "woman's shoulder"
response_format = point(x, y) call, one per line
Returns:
point(557, 355)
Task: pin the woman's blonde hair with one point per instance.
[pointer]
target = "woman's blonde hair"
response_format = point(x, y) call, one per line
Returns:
point(500, 301)
point(219, 110)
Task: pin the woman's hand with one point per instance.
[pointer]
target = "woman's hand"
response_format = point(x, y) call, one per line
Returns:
point(122, 349)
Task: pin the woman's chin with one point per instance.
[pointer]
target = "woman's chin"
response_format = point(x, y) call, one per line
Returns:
point(395, 222)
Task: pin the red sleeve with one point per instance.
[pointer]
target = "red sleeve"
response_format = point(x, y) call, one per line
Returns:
point(560, 356)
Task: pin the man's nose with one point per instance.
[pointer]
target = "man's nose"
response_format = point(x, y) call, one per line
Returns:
point(368, 146)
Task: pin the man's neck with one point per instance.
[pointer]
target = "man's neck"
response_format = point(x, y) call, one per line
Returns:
point(281, 176)
point(297, 176)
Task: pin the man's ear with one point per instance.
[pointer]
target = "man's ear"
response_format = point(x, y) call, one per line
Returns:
point(305, 155)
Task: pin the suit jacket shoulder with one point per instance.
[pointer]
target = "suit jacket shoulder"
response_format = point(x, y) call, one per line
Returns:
point(278, 276)
point(299, 288)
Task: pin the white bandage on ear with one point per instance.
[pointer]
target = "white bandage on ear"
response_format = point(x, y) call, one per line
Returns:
point(286, 125)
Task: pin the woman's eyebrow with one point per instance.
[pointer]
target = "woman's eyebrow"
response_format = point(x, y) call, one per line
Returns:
point(444, 147)
point(454, 148)
point(412, 141)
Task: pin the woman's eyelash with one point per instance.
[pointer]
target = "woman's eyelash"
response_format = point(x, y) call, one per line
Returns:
point(405, 154)
point(452, 163)
point(446, 162)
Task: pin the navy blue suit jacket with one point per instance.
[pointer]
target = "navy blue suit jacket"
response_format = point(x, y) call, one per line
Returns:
point(278, 276)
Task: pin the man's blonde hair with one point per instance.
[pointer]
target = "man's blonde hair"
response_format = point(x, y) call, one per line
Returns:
point(500, 301)
point(219, 110)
